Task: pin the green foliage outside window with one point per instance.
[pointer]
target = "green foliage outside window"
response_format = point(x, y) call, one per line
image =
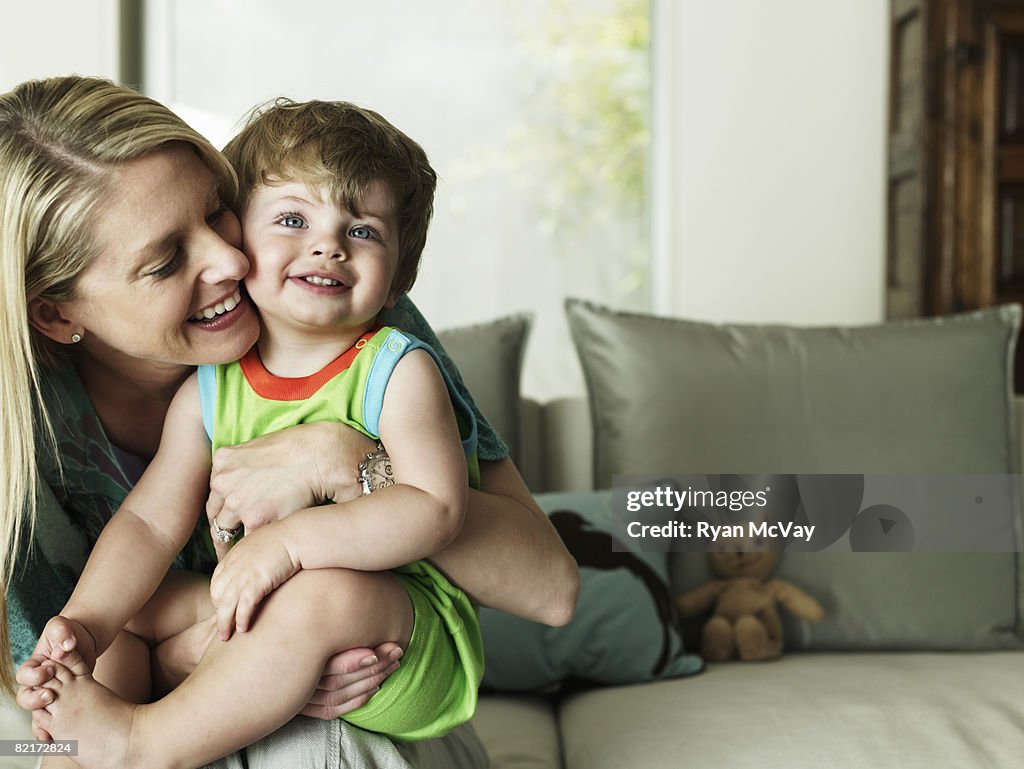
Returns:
point(584, 78)
point(591, 110)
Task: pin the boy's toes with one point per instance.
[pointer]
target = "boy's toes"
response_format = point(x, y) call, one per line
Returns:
point(73, 662)
point(61, 675)
point(34, 698)
point(41, 722)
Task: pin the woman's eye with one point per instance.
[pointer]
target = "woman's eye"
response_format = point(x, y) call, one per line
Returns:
point(292, 221)
point(363, 232)
point(214, 219)
point(170, 267)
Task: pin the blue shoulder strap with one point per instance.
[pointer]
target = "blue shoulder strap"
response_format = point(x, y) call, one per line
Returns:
point(395, 346)
point(207, 376)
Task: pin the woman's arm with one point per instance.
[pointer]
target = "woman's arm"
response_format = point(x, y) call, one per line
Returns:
point(508, 555)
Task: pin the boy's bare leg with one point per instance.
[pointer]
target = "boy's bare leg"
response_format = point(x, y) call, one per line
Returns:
point(181, 600)
point(243, 688)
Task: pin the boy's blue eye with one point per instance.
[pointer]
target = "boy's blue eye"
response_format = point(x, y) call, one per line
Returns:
point(293, 221)
point(362, 232)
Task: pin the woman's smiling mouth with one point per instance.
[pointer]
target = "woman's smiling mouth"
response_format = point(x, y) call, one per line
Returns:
point(219, 308)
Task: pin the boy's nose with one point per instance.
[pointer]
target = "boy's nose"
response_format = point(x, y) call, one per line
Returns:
point(332, 253)
point(330, 250)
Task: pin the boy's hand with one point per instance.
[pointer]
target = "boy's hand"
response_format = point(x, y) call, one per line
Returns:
point(31, 675)
point(61, 636)
point(63, 640)
point(254, 567)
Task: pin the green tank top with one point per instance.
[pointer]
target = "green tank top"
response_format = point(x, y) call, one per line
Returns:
point(242, 400)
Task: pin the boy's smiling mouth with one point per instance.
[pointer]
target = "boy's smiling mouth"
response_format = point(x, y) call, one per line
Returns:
point(316, 280)
point(322, 280)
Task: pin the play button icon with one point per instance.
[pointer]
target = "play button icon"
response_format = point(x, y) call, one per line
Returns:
point(882, 529)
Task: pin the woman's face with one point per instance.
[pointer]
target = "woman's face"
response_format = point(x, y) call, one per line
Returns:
point(165, 286)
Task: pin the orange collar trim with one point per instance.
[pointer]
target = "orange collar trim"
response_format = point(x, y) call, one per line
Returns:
point(277, 388)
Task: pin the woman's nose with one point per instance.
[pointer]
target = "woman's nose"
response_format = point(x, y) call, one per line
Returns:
point(223, 262)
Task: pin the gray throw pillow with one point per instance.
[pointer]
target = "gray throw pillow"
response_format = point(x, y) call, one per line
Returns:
point(914, 397)
point(490, 358)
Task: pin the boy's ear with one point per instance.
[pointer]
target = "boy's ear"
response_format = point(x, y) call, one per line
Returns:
point(48, 319)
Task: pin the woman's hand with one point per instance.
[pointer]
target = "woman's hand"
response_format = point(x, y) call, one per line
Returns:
point(350, 679)
point(271, 477)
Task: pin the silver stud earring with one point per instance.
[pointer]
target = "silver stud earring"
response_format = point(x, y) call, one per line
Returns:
point(76, 338)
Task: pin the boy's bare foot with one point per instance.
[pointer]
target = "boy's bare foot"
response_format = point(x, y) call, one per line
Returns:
point(89, 712)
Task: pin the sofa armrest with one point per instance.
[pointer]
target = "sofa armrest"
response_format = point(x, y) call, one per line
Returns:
point(1018, 432)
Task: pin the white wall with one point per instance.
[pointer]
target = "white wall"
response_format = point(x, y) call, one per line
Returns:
point(770, 147)
point(42, 38)
point(775, 166)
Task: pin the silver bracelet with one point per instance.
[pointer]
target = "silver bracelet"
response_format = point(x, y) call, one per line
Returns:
point(375, 472)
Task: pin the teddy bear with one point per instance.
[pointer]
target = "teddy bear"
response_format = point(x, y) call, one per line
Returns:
point(745, 622)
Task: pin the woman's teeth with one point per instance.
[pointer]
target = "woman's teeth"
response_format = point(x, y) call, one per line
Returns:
point(220, 308)
point(316, 280)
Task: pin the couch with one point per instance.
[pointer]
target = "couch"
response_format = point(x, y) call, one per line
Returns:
point(808, 710)
point(920, 661)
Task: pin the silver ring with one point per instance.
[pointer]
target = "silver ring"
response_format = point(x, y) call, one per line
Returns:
point(224, 535)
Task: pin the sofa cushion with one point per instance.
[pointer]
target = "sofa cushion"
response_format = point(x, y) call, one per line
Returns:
point(490, 359)
point(806, 711)
point(519, 732)
point(915, 397)
point(625, 628)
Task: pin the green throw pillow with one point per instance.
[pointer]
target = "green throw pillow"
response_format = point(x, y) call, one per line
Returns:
point(625, 629)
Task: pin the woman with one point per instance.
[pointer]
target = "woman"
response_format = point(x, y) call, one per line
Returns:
point(98, 332)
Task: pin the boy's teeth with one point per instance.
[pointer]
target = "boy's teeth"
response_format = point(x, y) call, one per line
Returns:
point(316, 280)
point(221, 307)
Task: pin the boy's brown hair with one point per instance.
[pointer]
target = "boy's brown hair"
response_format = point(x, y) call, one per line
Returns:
point(343, 149)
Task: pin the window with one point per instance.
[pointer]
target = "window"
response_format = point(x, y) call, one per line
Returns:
point(534, 113)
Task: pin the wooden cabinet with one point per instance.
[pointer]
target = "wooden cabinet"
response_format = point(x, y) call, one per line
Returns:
point(956, 156)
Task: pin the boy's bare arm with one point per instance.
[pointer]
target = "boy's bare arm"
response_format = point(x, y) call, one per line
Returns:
point(424, 512)
point(141, 541)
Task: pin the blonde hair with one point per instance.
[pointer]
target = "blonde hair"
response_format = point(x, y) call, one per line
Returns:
point(62, 141)
point(344, 149)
